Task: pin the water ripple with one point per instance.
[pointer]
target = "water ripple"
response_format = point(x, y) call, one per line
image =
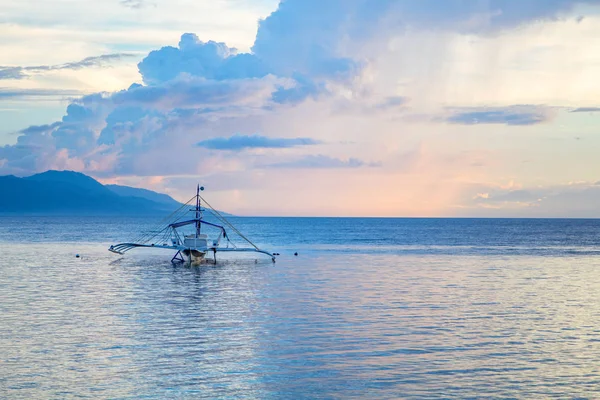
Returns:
point(315, 326)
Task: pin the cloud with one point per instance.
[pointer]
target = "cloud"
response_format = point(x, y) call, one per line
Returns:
point(135, 4)
point(391, 103)
point(562, 200)
point(216, 61)
point(30, 94)
point(515, 196)
point(372, 107)
point(12, 73)
point(322, 162)
point(301, 89)
point(36, 129)
point(241, 142)
point(96, 61)
point(210, 60)
point(487, 15)
point(586, 109)
point(194, 92)
point(119, 133)
point(296, 39)
point(511, 115)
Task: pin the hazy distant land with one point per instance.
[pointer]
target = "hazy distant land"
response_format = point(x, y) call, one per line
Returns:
point(73, 193)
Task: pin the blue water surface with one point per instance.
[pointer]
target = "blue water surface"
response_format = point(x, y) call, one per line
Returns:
point(370, 308)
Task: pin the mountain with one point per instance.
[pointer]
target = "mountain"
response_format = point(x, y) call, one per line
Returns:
point(160, 198)
point(68, 177)
point(67, 192)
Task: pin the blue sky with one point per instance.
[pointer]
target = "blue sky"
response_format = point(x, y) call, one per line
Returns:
point(304, 107)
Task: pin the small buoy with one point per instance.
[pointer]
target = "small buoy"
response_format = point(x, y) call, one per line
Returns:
point(296, 254)
point(76, 255)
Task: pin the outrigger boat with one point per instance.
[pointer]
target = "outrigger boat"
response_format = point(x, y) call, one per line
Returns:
point(193, 247)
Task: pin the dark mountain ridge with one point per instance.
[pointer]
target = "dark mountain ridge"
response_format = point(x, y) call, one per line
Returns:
point(68, 192)
point(128, 191)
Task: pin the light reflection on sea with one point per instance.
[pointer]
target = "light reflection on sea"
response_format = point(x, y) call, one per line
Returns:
point(321, 325)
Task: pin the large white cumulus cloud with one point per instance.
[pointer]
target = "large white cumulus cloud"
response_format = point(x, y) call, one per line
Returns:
point(212, 60)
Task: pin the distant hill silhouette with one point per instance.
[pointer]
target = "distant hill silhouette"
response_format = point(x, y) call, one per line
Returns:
point(67, 192)
point(128, 191)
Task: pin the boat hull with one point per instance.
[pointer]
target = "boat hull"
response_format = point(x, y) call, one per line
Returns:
point(195, 256)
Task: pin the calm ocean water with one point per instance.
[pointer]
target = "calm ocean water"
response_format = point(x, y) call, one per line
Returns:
point(370, 308)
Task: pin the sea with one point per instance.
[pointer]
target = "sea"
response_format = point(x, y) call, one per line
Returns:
point(353, 308)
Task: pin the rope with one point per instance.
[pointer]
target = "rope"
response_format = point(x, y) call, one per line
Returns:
point(147, 236)
point(222, 219)
point(144, 238)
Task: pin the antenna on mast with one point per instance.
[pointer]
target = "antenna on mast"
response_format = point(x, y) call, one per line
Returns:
point(198, 210)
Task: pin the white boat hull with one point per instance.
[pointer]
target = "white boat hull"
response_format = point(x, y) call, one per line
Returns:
point(195, 256)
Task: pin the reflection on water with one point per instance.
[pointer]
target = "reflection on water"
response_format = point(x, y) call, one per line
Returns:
point(315, 326)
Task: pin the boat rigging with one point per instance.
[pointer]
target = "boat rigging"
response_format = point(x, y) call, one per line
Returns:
point(193, 247)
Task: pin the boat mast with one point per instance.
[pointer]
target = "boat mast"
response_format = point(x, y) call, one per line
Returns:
point(198, 213)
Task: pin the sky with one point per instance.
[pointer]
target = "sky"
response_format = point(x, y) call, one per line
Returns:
point(460, 108)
